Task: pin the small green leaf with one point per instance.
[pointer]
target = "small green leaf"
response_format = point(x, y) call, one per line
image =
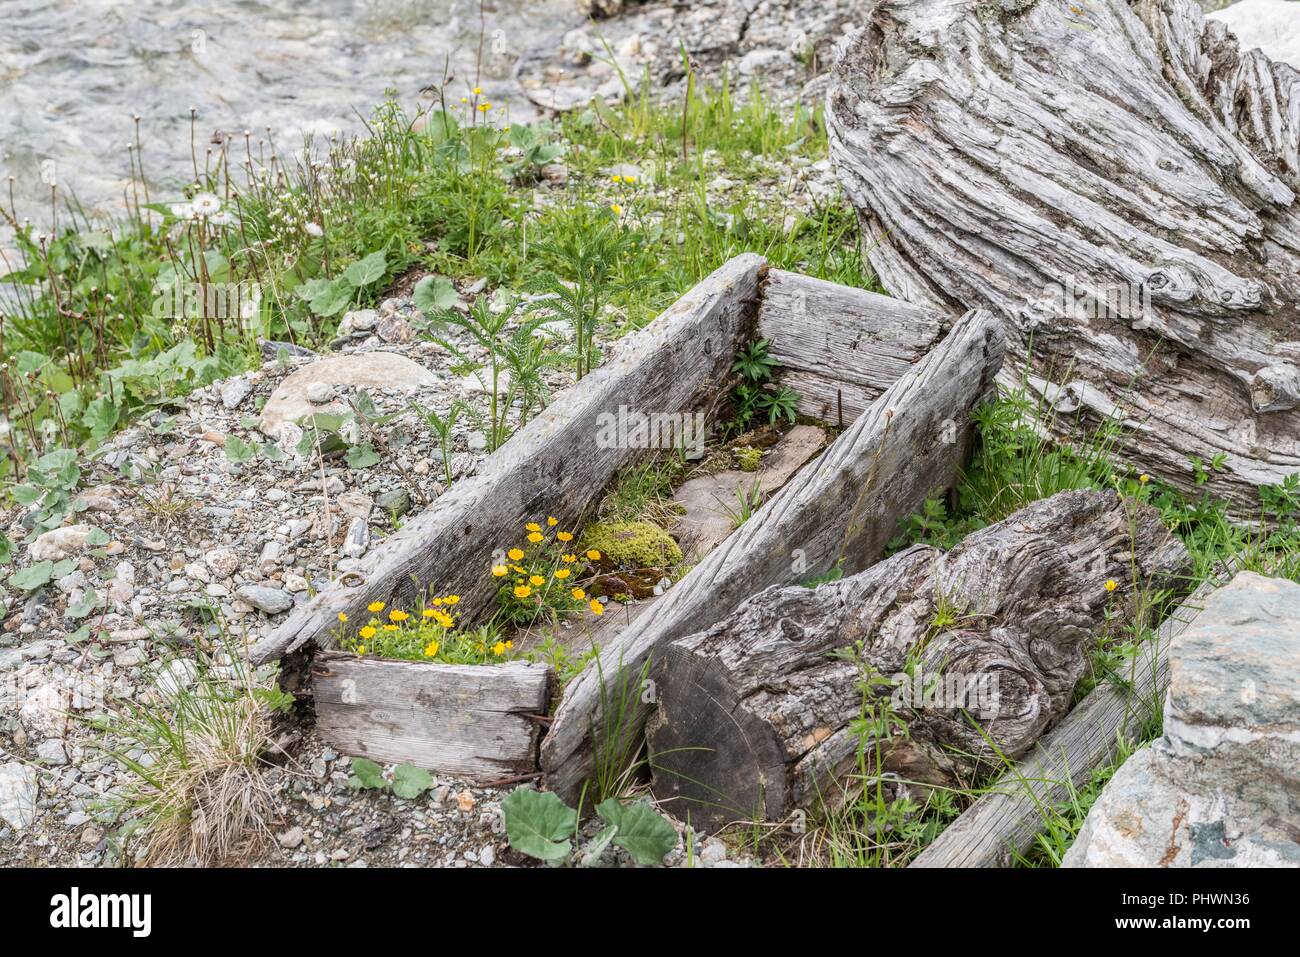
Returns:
point(362, 456)
point(237, 450)
point(410, 781)
point(6, 549)
point(32, 577)
point(97, 537)
point(365, 271)
point(366, 774)
point(539, 824)
point(642, 831)
point(433, 294)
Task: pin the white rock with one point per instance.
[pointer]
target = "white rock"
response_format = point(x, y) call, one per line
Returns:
point(235, 391)
point(273, 601)
point(60, 543)
point(44, 711)
point(18, 788)
point(318, 393)
point(223, 562)
point(368, 370)
point(1272, 26)
point(178, 675)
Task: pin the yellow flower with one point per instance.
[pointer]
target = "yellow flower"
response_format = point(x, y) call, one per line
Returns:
point(568, 559)
point(552, 521)
point(594, 555)
point(564, 536)
point(452, 599)
point(445, 619)
point(391, 628)
point(1110, 584)
point(477, 90)
point(518, 570)
point(629, 179)
point(536, 580)
point(436, 602)
point(562, 573)
point(499, 571)
point(499, 648)
point(429, 613)
point(343, 616)
point(367, 632)
point(618, 210)
point(430, 649)
point(396, 615)
point(522, 591)
point(375, 606)
point(533, 527)
point(515, 554)
point(509, 645)
point(596, 607)
point(535, 537)
point(464, 99)
point(361, 649)
point(578, 594)
point(484, 107)
point(1144, 478)
point(615, 178)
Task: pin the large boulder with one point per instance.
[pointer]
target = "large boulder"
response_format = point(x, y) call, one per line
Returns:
point(313, 388)
point(1272, 26)
point(1221, 787)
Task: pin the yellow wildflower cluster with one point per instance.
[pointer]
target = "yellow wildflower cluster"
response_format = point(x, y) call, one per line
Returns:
point(542, 575)
point(429, 635)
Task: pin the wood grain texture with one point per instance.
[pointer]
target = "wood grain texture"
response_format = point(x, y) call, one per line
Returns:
point(465, 720)
point(842, 508)
point(554, 466)
point(837, 346)
point(1005, 821)
point(756, 714)
point(1139, 231)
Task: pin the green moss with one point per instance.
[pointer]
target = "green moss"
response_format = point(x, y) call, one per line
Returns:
point(748, 458)
point(633, 544)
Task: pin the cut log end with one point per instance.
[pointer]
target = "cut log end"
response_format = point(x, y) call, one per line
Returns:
point(740, 775)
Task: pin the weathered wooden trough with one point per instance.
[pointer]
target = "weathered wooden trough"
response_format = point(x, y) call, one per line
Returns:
point(875, 365)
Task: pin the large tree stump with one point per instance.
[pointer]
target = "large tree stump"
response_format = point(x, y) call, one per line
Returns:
point(1117, 181)
point(755, 714)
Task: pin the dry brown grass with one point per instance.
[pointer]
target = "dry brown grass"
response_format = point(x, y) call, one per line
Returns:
point(200, 799)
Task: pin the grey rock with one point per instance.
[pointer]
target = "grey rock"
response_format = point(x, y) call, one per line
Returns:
point(394, 502)
point(273, 601)
point(52, 752)
point(318, 393)
point(1219, 788)
point(272, 349)
point(291, 838)
point(358, 539)
point(235, 391)
point(19, 786)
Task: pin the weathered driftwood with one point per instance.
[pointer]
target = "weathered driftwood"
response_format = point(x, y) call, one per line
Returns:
point(842, 508)
point(837, 346)
point(1140, 230)
point(1005, 820)
point(988, 640)
point(557, 465)
point(473, 721)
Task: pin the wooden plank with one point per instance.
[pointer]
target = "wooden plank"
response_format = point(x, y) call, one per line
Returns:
point(1008, 817)
point(844, 507)
point(837, 346)
point(466, 720)
point(557, 465)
